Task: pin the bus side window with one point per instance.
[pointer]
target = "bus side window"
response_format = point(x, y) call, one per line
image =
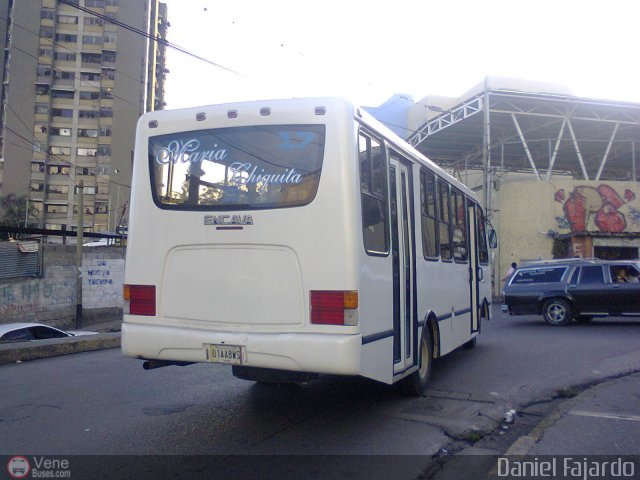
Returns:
point(428, 197)
point(459, 224)
point(483, 251)
point(445, 221)
point(373, 185)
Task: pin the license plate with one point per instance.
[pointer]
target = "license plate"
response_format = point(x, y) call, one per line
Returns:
point(231, 354)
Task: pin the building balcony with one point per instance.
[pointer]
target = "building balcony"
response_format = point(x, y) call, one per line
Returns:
point(64, 64)
point(57, 197)
point(63, 82)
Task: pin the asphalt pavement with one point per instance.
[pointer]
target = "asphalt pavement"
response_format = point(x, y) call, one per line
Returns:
point(601, 419)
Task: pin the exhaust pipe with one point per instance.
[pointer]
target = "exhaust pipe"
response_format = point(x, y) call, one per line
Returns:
point(151, 364)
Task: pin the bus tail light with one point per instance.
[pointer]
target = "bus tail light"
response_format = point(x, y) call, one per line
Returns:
point(334, 307)
point(141, 299)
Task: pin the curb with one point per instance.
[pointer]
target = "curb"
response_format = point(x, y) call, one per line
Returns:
point(18, 352)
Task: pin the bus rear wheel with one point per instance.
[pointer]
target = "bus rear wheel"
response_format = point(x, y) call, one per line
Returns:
point(416, 384)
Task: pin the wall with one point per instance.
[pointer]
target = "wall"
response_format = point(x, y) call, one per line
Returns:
point(532, 213)
point(51, 299)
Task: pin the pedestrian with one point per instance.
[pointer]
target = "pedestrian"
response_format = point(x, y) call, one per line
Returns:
point(510, 272)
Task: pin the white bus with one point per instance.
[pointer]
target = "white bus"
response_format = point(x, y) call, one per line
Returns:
point(291, 238)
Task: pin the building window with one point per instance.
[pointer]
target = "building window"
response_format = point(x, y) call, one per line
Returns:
point(62, 75)
point(65, 56)
point(105, 131)
point(46, 32)
point(62, 112)
point(91, 58)
point(92, 40)
point(106, 93)
point(66, 37)
point(90, 76)
point(59, 151)
point(94, 3)
point(110, 37)
point(58, 170)
point(61, 189)
point(86, 152)
point(108, 74)
point(63, 132)
point(42, 89)
point(106, 112)
point(37, 167)
point(67, 19)
point(62, 93)
point(45, 52)
point(108, 56)
point(42, 109)
point(56, 208)
point(104, 150)
point(47, 14)
point(88, 132)
point(36, 187)
point(88, 114)
point(89, 95)
point(85, 171)
point(93, 21)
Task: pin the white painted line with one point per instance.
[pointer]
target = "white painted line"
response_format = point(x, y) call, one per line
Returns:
point(612, 416)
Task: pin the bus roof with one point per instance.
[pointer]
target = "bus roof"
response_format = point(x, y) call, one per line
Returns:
point(257, 108)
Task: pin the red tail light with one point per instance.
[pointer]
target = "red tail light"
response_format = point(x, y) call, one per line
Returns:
point(141, 299)
point(334, 307)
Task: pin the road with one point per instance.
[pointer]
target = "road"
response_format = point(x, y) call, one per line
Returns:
point(101, 403)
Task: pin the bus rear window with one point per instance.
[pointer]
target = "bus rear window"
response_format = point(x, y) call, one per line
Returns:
point(267, 166)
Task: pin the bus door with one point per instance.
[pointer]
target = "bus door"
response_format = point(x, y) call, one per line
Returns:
point(402, 255)
point(473, 266)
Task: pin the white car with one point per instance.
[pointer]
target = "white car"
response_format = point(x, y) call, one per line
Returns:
point(24, 332)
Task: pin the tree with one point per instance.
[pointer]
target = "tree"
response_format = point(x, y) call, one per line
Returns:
point(13, 210)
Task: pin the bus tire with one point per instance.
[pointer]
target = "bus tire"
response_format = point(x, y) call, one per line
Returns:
point(416, 384)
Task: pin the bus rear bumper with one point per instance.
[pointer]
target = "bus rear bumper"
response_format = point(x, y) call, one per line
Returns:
point(302, 352)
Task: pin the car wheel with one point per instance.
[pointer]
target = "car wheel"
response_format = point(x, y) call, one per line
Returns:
point(557, 312)
point(416, 383)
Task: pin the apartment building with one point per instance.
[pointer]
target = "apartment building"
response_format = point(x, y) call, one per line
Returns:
point(77, 74)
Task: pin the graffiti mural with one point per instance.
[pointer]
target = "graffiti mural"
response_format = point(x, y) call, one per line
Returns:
point(597, 208)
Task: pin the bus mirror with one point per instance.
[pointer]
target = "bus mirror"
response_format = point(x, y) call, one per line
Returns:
point(493, 239)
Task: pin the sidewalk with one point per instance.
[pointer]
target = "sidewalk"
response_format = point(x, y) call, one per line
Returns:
point(108, 336)
point(603, 420)
point(601, 424)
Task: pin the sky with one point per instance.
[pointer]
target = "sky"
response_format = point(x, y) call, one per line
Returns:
point(369, 50)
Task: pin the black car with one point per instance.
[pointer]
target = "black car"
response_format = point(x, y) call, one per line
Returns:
point(580, 289)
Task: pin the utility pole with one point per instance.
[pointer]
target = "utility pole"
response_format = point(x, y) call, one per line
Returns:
point(79, 241)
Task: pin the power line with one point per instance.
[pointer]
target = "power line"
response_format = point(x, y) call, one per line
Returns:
point(155, 38)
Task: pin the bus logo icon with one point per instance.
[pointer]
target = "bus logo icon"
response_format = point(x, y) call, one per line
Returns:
point(18, 467)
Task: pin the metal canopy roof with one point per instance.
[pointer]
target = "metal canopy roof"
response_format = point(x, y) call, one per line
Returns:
point(540, 133)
